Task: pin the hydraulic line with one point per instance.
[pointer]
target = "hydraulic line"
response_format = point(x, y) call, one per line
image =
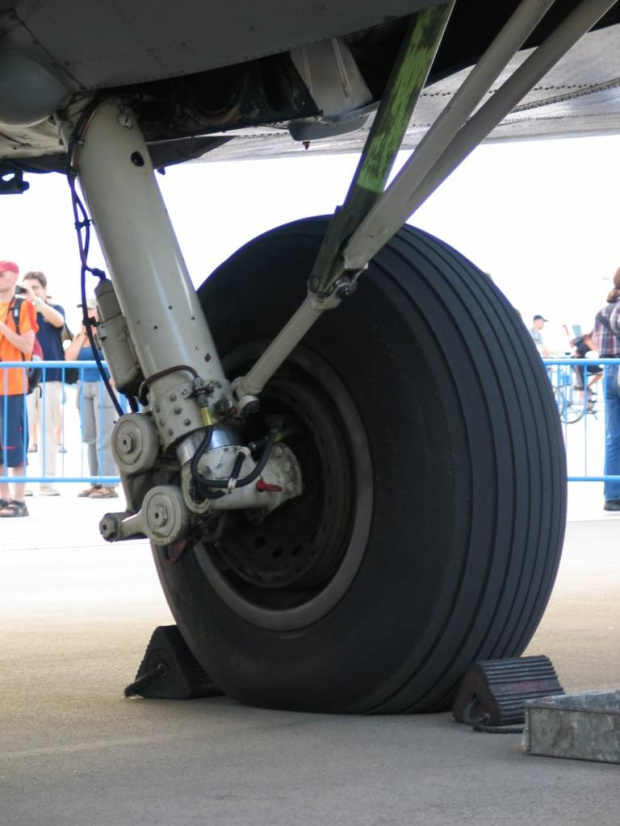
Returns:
point(223, 484)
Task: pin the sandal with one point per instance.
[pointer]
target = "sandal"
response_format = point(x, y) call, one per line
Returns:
point(14, 508)
point(104, 493)
point(89, 491)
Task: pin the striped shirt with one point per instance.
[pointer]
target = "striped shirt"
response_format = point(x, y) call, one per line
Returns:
point(607, 331)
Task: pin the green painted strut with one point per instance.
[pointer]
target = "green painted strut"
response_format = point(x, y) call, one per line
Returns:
point(400, 97)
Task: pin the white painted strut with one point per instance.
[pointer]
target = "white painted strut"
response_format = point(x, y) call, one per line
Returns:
point(149, 274)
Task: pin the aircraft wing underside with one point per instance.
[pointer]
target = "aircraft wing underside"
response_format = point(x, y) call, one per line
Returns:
point(581, 96)
point(242, 56)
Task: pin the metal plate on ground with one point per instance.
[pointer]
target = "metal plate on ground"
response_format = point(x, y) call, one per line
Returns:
point(578, 726)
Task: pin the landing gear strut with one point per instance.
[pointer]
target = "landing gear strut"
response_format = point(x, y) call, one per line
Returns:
point(344, 512)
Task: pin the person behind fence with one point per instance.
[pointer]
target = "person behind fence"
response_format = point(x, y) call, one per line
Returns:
point(45, 402)
point(583, 348)
point(607, 340)
point(538, 324)
point(97, 413)
point(18, 327)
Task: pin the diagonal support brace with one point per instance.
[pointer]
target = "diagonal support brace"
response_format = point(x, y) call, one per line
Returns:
point(453, 138)
point(422, 174)
point(406, 82)
point(399, 100)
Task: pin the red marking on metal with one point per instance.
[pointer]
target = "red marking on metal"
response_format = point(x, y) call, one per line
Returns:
point(264, 487)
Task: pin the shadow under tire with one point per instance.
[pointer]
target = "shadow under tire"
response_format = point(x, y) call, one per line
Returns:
point(432, 519)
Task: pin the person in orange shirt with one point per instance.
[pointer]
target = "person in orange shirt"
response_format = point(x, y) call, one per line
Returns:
point(14, 346)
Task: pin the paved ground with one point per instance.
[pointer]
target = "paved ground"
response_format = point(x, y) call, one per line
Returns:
point(75, 616)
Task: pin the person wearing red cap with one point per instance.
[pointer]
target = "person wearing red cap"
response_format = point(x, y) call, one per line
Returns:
point(14, 346)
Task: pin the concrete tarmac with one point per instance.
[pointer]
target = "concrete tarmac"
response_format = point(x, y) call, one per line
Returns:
point(75, 617)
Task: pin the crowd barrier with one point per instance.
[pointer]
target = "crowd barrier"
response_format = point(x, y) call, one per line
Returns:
point(72, 458)
point(582, 412)
point(581, 409)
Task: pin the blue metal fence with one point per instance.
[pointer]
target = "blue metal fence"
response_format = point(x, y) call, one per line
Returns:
point(581, 407)
point(580, 399)
point(71, 463)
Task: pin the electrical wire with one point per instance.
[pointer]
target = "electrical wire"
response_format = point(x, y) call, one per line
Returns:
point(144, 386)
point(208, 486)
point(82, 224)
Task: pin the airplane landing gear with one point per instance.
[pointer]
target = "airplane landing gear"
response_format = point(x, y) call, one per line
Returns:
point(430, 529)
point(425, 516)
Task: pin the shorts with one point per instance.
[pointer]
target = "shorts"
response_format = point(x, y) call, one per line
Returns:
point(13, 431)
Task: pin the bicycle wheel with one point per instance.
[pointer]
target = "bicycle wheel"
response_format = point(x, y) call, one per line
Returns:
point(570, 403)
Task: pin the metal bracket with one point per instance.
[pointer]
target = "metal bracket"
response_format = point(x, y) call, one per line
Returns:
point(12, 182)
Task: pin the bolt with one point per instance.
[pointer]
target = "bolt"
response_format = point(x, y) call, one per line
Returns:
point(187, 422)
point(162, 421)
point(173, 397)
point(248, 405)
point(185, 392)
point(109, 527)
point(290, 487)
point(125, 120)
point(287, 467)
point(178, 411)
point(160, 516)
point(170, 432)
point(127, 444)
point(278, 451)
point(345, 290)
point(222, 406)
point(157, 409)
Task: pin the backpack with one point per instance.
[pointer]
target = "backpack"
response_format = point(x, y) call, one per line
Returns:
point(33, 374)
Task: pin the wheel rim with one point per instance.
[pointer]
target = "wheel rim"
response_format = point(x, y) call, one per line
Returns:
point(291, 569)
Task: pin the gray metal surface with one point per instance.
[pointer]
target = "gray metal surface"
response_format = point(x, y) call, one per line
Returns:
point(582, 726)
point(579, 96)
point(97, 44)
point(104, 43)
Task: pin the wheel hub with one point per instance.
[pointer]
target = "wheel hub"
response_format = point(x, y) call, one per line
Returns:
point(302, 541)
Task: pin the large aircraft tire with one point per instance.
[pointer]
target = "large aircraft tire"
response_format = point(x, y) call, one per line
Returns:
point(431, 524)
